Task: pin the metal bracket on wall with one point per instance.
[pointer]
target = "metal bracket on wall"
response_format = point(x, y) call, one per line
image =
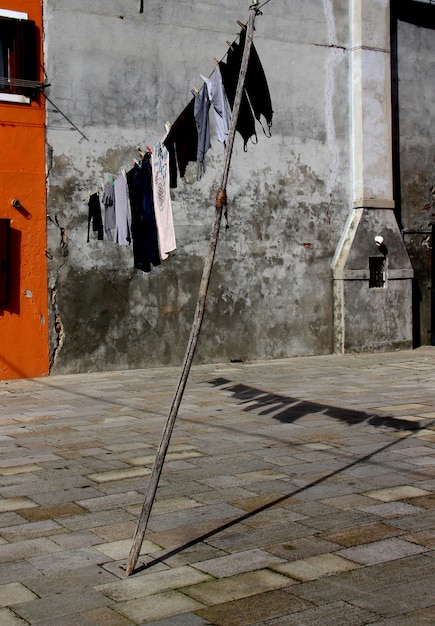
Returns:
point(140, 6)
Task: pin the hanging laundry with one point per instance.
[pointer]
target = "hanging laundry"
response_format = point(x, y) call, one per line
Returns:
point(94, 216)
point(230, 74)
point(143, 221)
point(162, 200)
point(256, 86)
point(219, 101)
point(108, 200)
point(122, 215)
point(201, 114)
point(182, 142)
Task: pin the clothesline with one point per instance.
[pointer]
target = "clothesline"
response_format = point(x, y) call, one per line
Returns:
point(138, 203)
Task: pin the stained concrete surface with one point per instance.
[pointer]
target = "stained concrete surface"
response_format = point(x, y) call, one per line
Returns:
point(296, 491)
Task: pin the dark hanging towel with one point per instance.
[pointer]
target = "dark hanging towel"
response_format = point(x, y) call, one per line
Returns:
point(182, 142)
point(256, 86)
point(143, 219)
point(230, 75)
point(94, 216)
point(201, 112)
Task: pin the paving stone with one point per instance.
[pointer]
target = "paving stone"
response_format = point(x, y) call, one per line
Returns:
point(120, 549)
point(393, 509)
point(238, 563)
point(237, 587)
point(31, 459)
point(64, 581)
point(70, 540)
point(422, 521)
point(314, 567)
point(357, 535)
point(52, 512)
point(301, 548)
point(260, 538)
point(19, 469)
point(16, 504)
point(103, 616)
point(399, 599)
point(8, 618)
point(153, 582)
point(396, 493)
point(426, 502)
point(158, 606)
point(351, 501)
point(119, 474)
point(423, 538)
point(30, 530)
point(186, 619)
point(56, 606)
point(381, 551)
point(388, 573)
point(170, 505)
point(114, 532)
point(197, 515)
point(215, 496)
point(331, 523)
point(252, 610)
point(93, 520)
point(333, 613)
point(170, 456)
point(104, 503)
point(420, 617)
point(14, 593)
point(66, 560)
point(27, 549)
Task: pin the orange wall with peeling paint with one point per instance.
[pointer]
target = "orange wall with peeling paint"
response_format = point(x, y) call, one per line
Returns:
point(24, 349)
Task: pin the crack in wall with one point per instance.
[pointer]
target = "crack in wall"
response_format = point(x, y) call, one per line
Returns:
point(58, 327)
point(58, 324)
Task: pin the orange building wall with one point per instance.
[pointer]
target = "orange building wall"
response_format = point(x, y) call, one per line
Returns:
point(24, 320)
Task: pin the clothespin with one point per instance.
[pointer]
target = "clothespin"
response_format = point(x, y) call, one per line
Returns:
point(135, 162)
point(241, 24)
point(149, 150)
point(229, 44)
point(168, 126)
point(216, 61)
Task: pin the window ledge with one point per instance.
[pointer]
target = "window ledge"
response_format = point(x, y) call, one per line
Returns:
point(16, 98)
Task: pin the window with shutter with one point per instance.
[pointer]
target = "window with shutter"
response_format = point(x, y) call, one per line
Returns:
point(18, 57)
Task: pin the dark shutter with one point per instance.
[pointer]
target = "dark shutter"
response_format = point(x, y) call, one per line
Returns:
point(5, 227)
point(18, 55)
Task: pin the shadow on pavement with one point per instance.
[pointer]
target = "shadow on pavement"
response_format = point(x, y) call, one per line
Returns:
point(288, 409)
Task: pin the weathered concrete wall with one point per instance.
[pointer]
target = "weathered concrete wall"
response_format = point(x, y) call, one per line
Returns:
point(415, 62)
point(118, 76)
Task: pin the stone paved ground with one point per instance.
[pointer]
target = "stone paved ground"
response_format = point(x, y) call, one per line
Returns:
point(298, 491)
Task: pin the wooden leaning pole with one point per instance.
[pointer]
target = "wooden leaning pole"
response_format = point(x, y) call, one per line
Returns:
point(200, 306)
